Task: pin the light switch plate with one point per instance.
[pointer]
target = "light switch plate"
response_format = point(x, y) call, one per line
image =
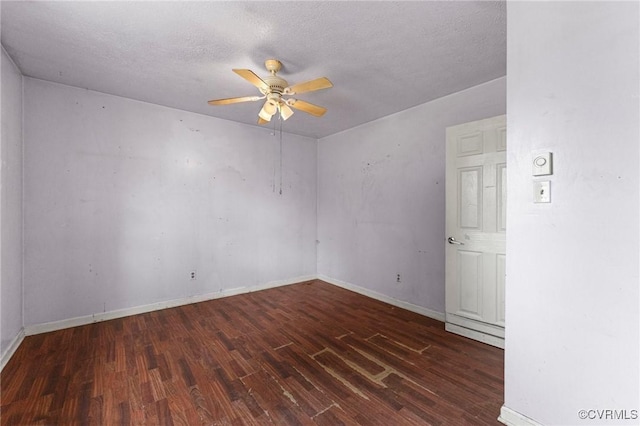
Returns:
point(542, 163)
point(542, 192)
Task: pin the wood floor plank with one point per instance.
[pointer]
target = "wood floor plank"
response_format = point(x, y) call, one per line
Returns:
point(304, 354)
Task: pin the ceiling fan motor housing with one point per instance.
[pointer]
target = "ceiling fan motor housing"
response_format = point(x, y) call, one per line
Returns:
point(276, 84)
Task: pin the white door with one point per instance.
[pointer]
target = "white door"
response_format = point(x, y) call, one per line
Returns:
point(475, 229)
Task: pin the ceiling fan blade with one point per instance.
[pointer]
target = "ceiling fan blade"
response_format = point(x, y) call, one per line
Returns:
point(312, 109)
point(285, 111)
point(252, 78)
point(235, 100)
point(262, 121)
point(309, 86)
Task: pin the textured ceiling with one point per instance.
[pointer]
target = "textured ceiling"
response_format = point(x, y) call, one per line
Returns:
point(382, 57)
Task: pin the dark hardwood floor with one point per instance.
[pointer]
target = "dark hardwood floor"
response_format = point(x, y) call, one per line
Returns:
point(309, 353)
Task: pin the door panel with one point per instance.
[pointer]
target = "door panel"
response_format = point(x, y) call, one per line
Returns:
point(470, 144)
point(470, 280)
point(470, 197)
point(501, 189)
point(502, 138)
point(501, 261)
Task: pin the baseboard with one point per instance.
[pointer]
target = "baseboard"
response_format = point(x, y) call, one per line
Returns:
point(30, 330)
point(120, 313)
point(384, 298)
point(6, 356)
point(512, 418)
point(498, 342)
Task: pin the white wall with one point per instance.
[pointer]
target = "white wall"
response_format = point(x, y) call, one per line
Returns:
point(123, 199)
point(381, 197)
point(11, 205)
point(572, 307)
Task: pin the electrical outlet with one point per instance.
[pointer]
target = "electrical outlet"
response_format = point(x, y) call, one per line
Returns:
point(398, 278)
point(192, 275)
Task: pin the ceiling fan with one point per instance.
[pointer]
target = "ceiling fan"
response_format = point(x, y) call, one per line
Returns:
point(274, 89)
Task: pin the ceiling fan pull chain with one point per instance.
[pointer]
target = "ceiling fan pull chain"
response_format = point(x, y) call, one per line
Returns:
point(280, 155)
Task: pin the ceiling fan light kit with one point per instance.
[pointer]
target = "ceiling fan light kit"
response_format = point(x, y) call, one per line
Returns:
point(274, 88)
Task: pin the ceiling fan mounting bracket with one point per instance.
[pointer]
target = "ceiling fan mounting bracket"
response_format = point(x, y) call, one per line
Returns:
point(273, 65)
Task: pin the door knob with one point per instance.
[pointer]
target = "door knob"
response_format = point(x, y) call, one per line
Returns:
point(453, 241)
